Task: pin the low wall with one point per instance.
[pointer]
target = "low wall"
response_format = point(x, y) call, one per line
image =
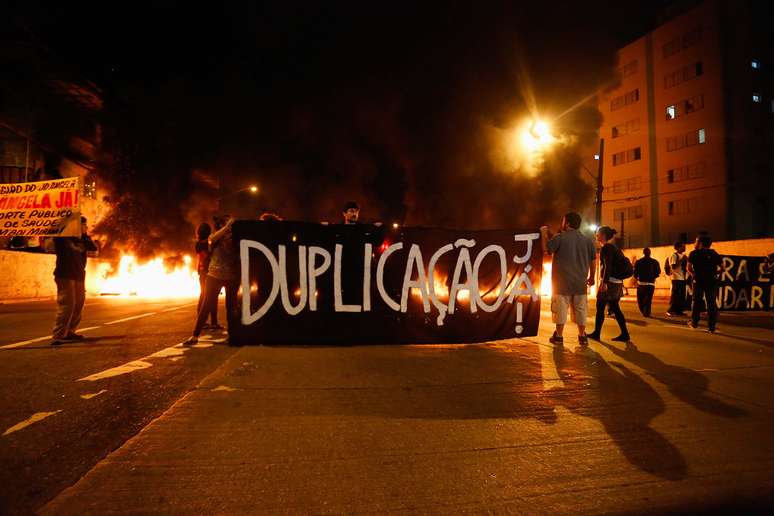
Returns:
point(756, 247)
point(30, 276)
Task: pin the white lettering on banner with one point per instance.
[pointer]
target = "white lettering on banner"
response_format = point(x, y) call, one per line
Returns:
point(338, 303)
point(315, 272)
point(380, 276)
point(441, 307)
point(416, 277)
point(284, 289)
point(742, 270)
point(727, 265)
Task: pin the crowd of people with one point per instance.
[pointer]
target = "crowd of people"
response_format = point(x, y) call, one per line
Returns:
point(574, 270)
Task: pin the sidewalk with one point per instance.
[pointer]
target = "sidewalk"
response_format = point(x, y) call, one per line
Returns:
point(512, 426)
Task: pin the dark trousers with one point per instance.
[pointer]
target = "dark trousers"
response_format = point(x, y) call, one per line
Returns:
point(615, 307)
point(705, 293)
point(212, 288)
point(677, 299)
point(214, 311)
point(645, 298)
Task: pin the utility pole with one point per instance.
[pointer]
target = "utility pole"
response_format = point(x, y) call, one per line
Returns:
point(598, 197)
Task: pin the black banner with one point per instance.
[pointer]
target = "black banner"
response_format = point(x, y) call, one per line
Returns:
point(745, 284)
point(361, 284)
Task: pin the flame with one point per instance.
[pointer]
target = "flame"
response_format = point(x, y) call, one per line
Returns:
point(545, 280)
point(151, 280)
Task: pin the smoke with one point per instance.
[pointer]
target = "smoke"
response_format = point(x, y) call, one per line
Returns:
point(412, 115)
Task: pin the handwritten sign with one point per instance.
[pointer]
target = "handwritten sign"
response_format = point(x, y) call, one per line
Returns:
point(309, 283)
point(745, 284)
point(44, 208)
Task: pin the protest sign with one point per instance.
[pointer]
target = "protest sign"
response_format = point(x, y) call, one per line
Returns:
point(41, 209)
point(745, 284)
point(361, 284)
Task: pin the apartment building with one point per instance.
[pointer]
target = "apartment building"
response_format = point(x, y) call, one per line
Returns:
point(688, 129)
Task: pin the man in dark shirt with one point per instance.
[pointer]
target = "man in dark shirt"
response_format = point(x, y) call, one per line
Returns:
point(646, 270)
point(704, 265)
point(70, 276)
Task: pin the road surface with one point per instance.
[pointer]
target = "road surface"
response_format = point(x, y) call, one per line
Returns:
point(131, 422)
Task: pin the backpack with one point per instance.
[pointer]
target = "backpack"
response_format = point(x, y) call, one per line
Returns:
point(667, 266)
point(622, 267)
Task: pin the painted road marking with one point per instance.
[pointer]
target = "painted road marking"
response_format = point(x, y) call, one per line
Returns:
point(173, 353)
point(129, 367)
point(224, 388)
point(125, 319)
point(93, 394)
point(40, 339)
point(178, 307)
point(38, 416)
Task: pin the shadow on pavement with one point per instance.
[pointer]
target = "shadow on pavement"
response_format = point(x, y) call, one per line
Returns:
point(685, 384)
point(623, 403)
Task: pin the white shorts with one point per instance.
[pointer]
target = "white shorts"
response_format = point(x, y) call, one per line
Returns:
point(560, 305)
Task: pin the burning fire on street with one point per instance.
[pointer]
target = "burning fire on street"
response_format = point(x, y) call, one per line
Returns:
point(153, 279)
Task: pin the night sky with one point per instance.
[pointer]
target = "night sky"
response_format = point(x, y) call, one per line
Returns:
point(402, 108)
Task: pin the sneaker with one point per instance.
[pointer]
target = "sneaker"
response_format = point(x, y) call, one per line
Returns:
point(74, 336)
point(583, 340)
point(206, 326)
point(622, 338)
point(594, 336)
point(556, 339)
point(672, 314)
point(711, 330)
point(693, 325)
point(191, 341)
point(216, 327)
point(57, 342)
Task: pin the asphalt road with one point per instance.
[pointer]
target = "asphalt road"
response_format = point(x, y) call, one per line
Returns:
point(57, 420)
point(679, 420)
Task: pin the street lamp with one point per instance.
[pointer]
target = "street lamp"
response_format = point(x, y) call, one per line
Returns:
point(252, 189)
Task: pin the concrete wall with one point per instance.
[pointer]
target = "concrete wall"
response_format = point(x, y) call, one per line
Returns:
point(30, 276)
point(756, 247)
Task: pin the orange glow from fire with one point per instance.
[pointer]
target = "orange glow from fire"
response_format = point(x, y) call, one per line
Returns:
point(149, 280)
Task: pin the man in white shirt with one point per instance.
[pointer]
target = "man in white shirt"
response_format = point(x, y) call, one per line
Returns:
point(677, 264)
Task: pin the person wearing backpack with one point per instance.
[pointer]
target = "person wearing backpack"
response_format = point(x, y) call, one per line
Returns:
point(646, 270)
point(614, 267)
point(675, 268)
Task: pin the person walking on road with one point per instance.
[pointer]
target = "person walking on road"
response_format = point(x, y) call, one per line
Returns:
point(675, 267)
point(613, 269)
point(573, 268)
point(704, 265)
point(646, 270)
point(70, 277)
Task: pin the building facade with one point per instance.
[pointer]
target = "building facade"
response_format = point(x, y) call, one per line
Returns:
point(687, 128)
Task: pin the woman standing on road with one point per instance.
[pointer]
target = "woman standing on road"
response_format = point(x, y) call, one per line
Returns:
point(610, 287)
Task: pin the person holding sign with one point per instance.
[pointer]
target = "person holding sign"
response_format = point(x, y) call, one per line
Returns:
point(704, 265)
point(70, 276)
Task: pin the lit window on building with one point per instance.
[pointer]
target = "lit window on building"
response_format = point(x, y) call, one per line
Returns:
point(671, 112)
point(756, 97)
point(702, 136)
point(756, 64)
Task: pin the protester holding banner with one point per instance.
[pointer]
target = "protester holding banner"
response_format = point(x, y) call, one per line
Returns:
point(350, 212)
point(614, 268)
point(203, 254)
point(704, 265)
point(223, 273)
point(572, 272)
point(70, 276)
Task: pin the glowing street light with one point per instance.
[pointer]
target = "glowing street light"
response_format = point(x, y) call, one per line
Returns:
point(536, 135)
point(254, 189)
